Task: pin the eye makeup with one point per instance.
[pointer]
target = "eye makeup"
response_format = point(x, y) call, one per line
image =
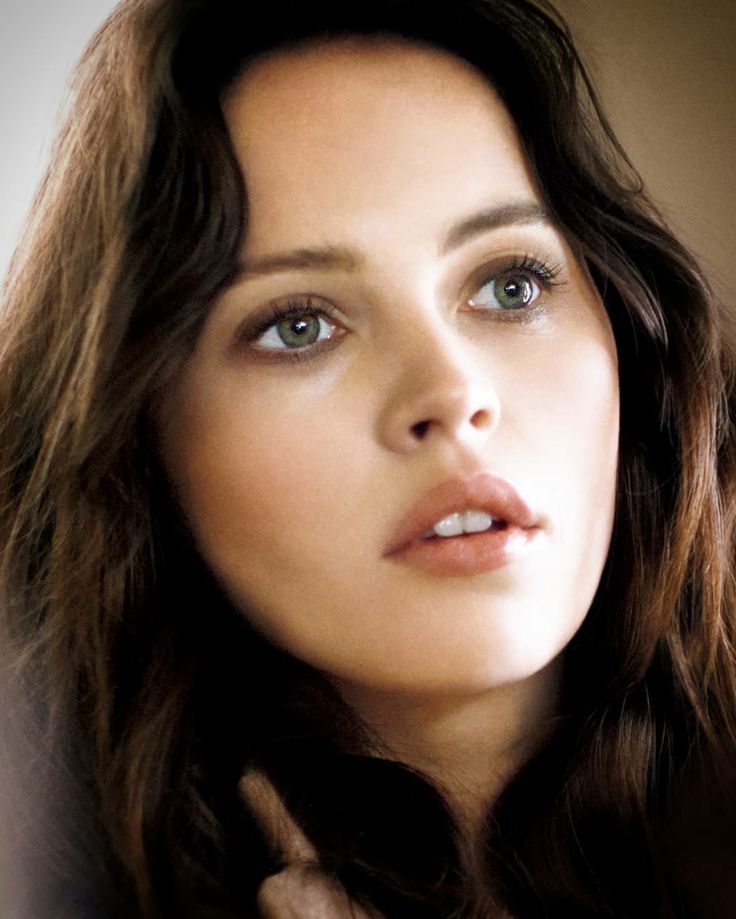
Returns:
point(303, 327)
point(516, 288)
point(288, 319)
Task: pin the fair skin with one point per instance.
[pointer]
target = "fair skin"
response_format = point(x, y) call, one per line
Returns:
point(295, 474)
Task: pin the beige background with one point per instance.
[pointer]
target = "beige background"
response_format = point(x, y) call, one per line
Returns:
point(666, 70)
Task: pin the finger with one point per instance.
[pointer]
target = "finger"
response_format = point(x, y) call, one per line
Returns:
point(301, 892)
point(275, 821)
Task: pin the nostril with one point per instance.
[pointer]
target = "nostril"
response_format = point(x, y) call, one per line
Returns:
point(481, 418)
point(420, 429)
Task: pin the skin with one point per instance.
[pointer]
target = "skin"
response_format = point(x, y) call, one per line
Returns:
point(301, 890)
point(294, 474)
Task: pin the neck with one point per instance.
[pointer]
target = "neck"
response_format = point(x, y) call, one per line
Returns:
point(470, 745)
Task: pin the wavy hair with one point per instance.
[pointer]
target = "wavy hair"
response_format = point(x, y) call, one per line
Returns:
point(161, 690)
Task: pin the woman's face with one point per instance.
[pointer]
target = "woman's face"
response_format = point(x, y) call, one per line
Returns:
point(409, 339)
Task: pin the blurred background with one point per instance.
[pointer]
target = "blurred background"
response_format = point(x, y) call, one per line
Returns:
point(666, 70)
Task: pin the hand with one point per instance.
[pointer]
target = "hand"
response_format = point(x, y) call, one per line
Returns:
point(301, 890)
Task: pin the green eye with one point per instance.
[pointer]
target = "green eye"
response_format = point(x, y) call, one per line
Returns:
point(297, 331)
point(511, 291)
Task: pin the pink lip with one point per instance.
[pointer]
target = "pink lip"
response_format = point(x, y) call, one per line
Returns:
point(468, 554)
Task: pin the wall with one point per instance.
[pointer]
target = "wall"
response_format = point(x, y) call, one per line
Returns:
point(666, 70)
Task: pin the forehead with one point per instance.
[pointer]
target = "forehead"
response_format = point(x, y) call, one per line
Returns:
point(350, 133)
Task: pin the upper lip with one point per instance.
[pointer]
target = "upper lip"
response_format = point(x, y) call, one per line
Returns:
point(483, 491)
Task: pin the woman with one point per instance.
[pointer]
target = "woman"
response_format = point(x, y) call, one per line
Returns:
point(368, 470)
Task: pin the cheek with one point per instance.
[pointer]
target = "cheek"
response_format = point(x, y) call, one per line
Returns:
point(581, 440)
point(584, 419)
point(256, 479)
point(567, 392)
point(593, 393)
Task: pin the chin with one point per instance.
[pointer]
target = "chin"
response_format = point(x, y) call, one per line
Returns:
point(453, 675)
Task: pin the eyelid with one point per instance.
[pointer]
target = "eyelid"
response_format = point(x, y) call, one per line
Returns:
point(546, 272)
point(253, 327)
point(544, 269)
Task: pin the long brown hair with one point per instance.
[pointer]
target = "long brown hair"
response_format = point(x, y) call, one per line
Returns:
point(120, 630)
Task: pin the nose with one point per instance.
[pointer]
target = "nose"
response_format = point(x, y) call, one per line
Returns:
point(440, 392)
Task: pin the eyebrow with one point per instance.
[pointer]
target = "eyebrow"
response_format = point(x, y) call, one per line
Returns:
point(504, 215)
point(341, 258)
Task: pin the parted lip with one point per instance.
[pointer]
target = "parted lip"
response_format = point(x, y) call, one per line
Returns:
point(483, 491)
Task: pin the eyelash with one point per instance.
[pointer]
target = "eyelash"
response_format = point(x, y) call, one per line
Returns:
point(292, 309)
point(544, 273)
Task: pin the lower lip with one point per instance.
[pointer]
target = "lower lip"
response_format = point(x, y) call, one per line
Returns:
point(475, 553)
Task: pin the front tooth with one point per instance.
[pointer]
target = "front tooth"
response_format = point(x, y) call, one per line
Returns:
point(476, 521)
point(452, 525)
point(465, 522)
